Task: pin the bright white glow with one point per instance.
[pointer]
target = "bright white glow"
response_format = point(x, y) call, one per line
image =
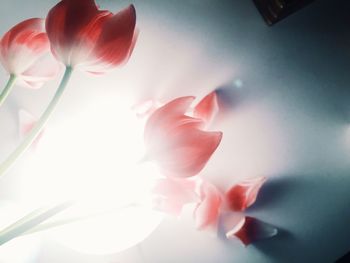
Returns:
point(94, 158)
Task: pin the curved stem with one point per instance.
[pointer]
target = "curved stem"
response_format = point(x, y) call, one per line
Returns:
point(5, 165)
point(30, 221)
point(6, 91)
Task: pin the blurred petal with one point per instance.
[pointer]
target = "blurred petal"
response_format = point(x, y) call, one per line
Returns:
point(26, 122)
point(206, 214)
point(244, 194)
point(44, 69)
point(145, 108)
point(207, 108)
point(249, 230)
point(176, 142)
point(191, 151)
point(172, 194)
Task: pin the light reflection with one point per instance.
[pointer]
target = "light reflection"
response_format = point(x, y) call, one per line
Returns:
point(93, 158)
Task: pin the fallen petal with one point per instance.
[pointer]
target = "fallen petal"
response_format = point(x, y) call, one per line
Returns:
point(250, 229)
point(244, 194)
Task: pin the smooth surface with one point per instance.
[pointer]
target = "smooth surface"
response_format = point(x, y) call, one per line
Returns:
point(288, 121)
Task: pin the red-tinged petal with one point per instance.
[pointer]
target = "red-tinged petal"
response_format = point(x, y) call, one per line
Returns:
point(207, 108)
point(73, 27)
point(22, 45)
point(188, 153)
point(176, 142)
point(162, 119)
point(244, 194)
point(206, 214)
point(117, 37)
point(44, 69)
point(250, 230)
point(26, 122)
point(15, 33)
point(173, 194)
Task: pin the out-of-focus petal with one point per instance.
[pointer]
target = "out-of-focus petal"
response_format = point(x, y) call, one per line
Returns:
point(164, 116)
point(44, 69)
point(206, 214)
point(26, 122)
point(177, 142)
point(190, 152)
point(172, 194)
point(207, 108)
point(145, 108)
point(244, 194)
point(249, 230)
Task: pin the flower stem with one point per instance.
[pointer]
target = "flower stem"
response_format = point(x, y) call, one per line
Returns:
point(30, 221)
point(6, 91)
point(5, 165)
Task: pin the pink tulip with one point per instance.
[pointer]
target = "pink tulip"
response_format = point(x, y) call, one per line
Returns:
point(25, 53)
point(91, 39)
point(177, 142)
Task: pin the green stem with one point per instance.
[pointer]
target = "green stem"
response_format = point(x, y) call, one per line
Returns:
point(30, 221)
point(6, 91)
point(38, 126)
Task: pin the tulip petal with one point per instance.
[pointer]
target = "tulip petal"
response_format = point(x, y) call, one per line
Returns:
point(207, 108)
point(23, 45)
point(176, 142)
point(249, 230)
point(73, 27)
point(162, 120)
point(44, 69)
point(172, 194)
point(189, 152)
point(244, 194)
point(206, 213)
point(117, 37)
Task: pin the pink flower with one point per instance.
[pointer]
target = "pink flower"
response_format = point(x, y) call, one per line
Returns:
point(25, 53)
point(178, 142)
point(211, 205)
point(95, 40)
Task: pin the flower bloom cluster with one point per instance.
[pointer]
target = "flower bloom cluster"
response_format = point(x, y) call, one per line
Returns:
point(177, 139)
point(76, 33)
